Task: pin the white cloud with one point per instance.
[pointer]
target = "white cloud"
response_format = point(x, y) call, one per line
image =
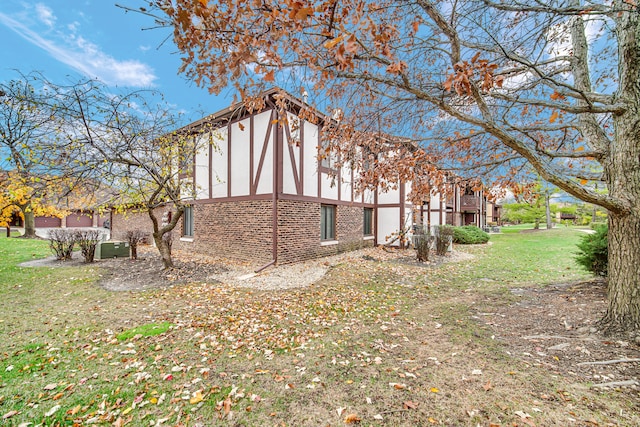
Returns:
point(45, 15)
point(85, 56)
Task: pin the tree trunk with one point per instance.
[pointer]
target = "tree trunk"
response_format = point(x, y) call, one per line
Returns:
point(622, 173)
point(623, 311)
point(547, 210)
point(29, 224)
point(165, 250)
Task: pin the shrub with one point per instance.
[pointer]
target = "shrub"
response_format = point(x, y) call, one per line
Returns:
point(593, 252)
point(61, 242)
point(134, 237)
point(469, 235)
point(444, 236)
point(88, 240)
point(422, 242)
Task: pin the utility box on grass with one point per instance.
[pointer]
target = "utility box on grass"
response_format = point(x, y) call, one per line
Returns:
point(106, 250)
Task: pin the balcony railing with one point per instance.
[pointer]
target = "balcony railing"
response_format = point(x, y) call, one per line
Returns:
point(468, 203)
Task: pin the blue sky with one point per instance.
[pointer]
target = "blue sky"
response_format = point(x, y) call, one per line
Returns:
point(93, 38)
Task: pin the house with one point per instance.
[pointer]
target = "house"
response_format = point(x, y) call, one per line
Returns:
point(266, 193)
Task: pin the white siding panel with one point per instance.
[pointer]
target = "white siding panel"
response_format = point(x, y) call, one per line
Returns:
point(391, 196)
point(219, 163)
point(291, 166)
point(240, 158)
point(261, 123)
point(202, 170)
point(369, 196)
point(345, 190)
point(329, 187)
point(310, 160)
point(388, 223)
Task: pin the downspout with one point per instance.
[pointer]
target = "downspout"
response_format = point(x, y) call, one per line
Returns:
point(277, 187)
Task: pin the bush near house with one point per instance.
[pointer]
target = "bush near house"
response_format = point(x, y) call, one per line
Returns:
point(469, 235)
point(593, 252)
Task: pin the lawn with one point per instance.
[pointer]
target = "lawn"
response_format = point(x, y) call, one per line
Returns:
point(373, 343)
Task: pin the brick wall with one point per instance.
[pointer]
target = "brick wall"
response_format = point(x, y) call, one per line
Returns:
point(299, 231)
point(242, 230)
point(239, 230)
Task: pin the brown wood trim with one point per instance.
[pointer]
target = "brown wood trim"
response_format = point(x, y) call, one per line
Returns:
point(302, 123)
point(292, 158)
point(210, 165)
point(279, 171)
point(251, 189)
point(319, 167)
point(266, 196)
point(375, 213)
point(229, 160)
point(353, 197)
point(303, 198)
point(265, 144)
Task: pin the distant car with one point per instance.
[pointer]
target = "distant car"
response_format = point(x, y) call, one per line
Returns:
point(107, 224)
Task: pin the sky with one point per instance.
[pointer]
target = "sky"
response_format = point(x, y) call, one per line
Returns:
point(78, 39)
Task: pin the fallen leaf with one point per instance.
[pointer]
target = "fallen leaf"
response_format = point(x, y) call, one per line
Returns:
point(487, 386)
point(197, 397)
point(378, 417)
point(352, 418)
point(434, 390)
point(51, 386)
point(9, 414)
point(226, 405)
point(410, 405)
point(52, 411)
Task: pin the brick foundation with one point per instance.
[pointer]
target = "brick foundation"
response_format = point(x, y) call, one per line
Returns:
point(243, 230)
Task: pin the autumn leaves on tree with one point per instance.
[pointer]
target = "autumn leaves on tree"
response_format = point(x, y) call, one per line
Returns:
point(481, 88)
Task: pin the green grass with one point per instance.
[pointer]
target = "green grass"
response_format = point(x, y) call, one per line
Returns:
point(147, 330)
point(368, 338)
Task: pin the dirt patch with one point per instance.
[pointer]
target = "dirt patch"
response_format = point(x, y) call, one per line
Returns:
point(555, 327)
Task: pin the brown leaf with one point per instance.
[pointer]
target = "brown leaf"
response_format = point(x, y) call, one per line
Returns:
point(410, 405)
point(487, 386)
point(270, 76)
point(352, 419)
point(226, 405)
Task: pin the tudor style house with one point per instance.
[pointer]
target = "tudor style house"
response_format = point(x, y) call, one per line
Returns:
point(265, 193)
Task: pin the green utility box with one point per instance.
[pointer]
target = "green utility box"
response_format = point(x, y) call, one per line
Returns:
point(106, 250)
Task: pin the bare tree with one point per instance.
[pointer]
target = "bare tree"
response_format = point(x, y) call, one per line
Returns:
point(130, 141)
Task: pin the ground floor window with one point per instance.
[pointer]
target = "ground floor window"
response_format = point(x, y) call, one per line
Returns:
point(187, 221)
point(327, 222)
point(368, 222)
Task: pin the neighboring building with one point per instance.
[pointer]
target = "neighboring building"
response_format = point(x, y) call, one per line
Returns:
point(467, 206)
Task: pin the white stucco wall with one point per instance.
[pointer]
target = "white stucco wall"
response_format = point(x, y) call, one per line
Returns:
point(219, 163)
point(240, 158)
point(261, 123)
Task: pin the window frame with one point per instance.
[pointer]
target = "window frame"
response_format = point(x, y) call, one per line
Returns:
point(188, 222)
point(367, 224)
point(328, 234)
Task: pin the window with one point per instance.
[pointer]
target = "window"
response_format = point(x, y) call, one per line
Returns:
point(368, 222)
point(187, 221)
point(327, 222)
